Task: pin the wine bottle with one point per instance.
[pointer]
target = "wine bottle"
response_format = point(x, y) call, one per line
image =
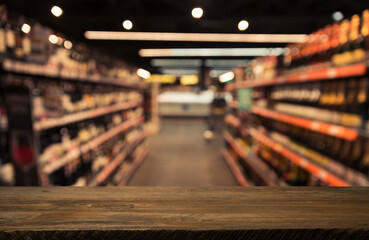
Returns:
point(343, 50)
point(10, 40)
point(365, 30)
point(357, 53)
point(3, 20)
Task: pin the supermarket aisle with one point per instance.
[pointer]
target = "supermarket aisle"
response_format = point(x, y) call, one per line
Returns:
point(179, 156)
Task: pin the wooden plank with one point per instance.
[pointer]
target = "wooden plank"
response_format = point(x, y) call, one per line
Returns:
point(184, 213)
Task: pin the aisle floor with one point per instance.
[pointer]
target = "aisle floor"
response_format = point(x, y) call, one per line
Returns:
point(180, 156)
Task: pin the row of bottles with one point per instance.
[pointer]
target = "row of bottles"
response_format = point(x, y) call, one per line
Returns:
point(336, 168)
point(344, 102)
point(352, 154)
point(328, 94)
point(52, 100)
point(84, 169)
point(340, 43)
point(56, 142)
point(319, 114)
point(264, 68)
point(125, 170)
point(290, 172)
point(36, 49)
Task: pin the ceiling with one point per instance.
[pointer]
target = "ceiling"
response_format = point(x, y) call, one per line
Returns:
point(220, 16)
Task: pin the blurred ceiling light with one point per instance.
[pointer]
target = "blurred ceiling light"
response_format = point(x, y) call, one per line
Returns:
point(56, 11)
point(197, 12)
point(189, 80)
point(143, 73)
point(60, 41)
point(222, 63)
point(68, 44)
point(162, 78)
point(216, 73)
point(210, 52)
point(26, 28)
point(179, 72)
point(337, 16)
point(53, 39)
point(226, 77)
point(176, 63)
point(195, 63)
point(196, 37)
point(243, 25)
point(127, 24)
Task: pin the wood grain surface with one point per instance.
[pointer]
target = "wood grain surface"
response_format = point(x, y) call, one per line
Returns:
point(184, 213)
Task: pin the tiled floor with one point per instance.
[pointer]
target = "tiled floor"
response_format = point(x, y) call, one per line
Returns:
point(180, 156)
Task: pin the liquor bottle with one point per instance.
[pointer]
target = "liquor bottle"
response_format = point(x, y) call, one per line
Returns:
point(363, 165)
point(365, 30)
point(345, 152)
point(340, 99)
point(334, 41)
point(18, 36)
point(343, 54)
point(325, 42)
point(10, 40)
point(356, 154)
point(351, 94)
point(362, 100)
point(356, 40)
point(336, 148)
point(3, 20)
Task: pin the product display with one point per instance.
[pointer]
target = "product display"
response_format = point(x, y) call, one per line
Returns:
point(308, 119)
point(69, 114)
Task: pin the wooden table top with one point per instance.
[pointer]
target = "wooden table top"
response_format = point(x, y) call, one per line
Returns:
point(235, 212)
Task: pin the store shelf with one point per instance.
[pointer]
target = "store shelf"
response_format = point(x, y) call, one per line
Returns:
point(317, 126)
point(240, 152)
point(253, 164)
point(136, 163)
point(92, 144)
point(80, 116)
point(233, 104)
point(37, 70)
point(234, 168)
point(302, 162)
point(234, 121)
point(107, 171)
point(315, 75)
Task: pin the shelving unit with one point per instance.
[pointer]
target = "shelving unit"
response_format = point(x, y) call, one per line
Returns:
point(75, 114)
point(353, 70)
point(19, 80)
point(233, 104)
point(132, 167)
point(260, 169)
point(234, 168)
point(302, 162)
point(116, 162)
point(325, 128)
point(305, 113)
point(85, 115)
point(233, 120)
point(94, 143)
point(52, 72)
